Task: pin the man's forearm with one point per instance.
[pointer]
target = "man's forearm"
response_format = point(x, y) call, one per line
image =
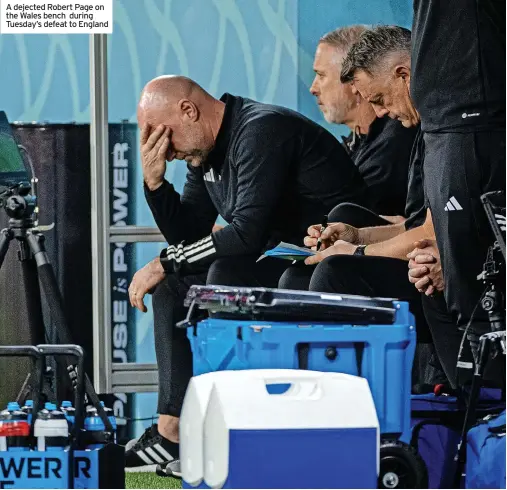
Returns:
point(173, 212)
point(378, 234)
point(399, 246)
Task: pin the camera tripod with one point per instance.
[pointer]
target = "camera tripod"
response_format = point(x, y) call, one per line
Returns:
point(20, 206)
point(491, 345)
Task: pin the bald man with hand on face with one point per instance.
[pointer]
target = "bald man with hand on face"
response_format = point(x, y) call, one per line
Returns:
point(268, 171)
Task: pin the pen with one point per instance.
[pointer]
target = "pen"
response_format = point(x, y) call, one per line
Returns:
point(323, 226)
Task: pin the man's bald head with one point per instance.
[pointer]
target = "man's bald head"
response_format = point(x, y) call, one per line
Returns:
point(191, 115)
point(164, 92)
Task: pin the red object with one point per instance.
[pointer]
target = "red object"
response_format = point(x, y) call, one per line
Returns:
point(14, 429)
point(438, 389)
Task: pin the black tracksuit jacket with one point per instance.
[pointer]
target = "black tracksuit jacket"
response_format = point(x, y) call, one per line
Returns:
point(271, 174)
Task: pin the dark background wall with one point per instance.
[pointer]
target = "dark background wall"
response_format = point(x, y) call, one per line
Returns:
point(61, 156)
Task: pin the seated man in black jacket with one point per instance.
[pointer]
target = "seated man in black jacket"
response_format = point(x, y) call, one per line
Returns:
point(267, 170)
point(379, 146)
point(372, 261)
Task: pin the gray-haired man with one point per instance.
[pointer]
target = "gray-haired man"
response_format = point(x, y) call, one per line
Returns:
point(379, 147)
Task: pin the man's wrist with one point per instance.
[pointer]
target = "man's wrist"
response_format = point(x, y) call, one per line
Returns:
point(153, 185)
point(165, 262)
point(360, 239)
point(158, 266)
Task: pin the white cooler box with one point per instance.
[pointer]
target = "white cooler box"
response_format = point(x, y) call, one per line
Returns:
point(321, 431)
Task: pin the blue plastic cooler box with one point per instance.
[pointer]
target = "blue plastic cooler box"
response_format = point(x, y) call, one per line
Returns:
point(355, 343)
point(236, 434)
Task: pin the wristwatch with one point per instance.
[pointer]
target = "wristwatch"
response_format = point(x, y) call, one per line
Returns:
point(359, 250)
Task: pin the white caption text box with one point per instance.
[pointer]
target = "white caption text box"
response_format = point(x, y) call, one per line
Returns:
point(56, 17)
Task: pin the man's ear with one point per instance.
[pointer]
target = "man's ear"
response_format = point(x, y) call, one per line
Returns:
point(188, 110)
point(402, 71)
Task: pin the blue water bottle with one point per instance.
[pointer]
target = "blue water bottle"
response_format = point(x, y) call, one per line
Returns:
point(14, 429)
point(95, 437)
point(28, 409)
point(70, 413)
point(112, 419)
point(51, 429)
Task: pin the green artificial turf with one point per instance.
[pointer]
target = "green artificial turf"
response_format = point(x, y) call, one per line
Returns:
point(150, 480)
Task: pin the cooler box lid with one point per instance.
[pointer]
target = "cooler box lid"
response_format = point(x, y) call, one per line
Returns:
point(287, 305)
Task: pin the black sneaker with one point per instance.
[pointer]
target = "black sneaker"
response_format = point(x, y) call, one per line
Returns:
point(150, 450)
point(173, 468)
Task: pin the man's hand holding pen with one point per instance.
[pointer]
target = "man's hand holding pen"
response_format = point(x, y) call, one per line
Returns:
point(323, 227)
point(332, 239)
point(330, 235)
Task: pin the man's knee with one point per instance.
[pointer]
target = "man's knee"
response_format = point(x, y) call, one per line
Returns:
point(288, 279)
point(296, 277)
point(165, 292)
point(325, 279)
point(225, 271)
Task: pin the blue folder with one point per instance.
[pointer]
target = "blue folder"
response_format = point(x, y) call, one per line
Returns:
point(287, 251)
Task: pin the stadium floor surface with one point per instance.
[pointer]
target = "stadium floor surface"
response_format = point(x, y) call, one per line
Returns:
point(150, 480)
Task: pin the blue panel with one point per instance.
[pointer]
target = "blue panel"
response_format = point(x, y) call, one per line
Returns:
point(333, 458)
point(86, 469)
point(49, 469)
point(34, 469)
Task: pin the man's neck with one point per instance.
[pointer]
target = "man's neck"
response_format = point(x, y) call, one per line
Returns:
point(216, 118)
point(361, 119)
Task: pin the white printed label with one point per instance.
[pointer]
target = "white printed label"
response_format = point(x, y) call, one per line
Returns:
point(56, 17)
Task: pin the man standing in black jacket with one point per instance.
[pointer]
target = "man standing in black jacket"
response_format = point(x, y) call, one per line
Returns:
point(267, 170)
point(458, 71)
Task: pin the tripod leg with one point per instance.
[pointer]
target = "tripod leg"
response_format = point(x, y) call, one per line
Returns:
point(5, 240)
point(32, 293)
point(484, 349)
point(50, 287)
point(55, 304)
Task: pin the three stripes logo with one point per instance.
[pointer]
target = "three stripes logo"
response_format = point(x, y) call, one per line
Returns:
point(453, 205)
point(193, 252)
point(212, 176)
point(500, 219)
point(154, 455)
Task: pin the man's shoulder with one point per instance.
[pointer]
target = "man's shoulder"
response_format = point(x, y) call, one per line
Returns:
point(388, 132)
point(394, 129)
point(263, 121)
point(263, 112)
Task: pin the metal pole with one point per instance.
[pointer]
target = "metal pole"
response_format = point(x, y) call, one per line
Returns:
point(99, 156)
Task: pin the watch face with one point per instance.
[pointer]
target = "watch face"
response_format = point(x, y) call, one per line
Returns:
point(359, 250)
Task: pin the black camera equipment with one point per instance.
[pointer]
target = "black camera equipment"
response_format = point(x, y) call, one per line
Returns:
point(20, 204)
point(492, 344)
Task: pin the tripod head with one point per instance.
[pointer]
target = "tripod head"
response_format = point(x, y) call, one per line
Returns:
point(19, 204)
point(493, 271)
point(16, 185)
point(494, 297)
